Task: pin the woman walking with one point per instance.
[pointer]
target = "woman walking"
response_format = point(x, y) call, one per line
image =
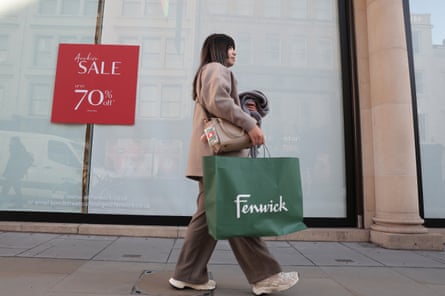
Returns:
point(215, 89)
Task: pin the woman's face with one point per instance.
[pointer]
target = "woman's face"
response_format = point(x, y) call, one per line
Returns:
point(231, 57)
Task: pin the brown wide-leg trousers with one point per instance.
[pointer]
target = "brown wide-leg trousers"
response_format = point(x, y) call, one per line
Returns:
point(251, 253)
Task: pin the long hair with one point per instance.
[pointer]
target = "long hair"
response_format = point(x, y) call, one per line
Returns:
point(214, 49)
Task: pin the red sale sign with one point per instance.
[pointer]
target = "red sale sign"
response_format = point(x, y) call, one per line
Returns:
point(95, 84)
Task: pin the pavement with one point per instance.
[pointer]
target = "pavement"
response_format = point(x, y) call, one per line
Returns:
point(49, 264)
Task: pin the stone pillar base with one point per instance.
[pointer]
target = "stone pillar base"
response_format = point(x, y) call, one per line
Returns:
point(420, 241)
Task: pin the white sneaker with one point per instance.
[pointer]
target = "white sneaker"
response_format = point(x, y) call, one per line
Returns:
point(276, 283)
point(210, 285)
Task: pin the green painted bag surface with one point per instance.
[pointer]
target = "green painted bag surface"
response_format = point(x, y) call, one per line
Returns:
point(252, 196)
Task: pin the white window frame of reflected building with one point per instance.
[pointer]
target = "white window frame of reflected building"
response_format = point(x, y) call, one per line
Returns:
point(149, 105)
point(298, 52)
point(171, 107)
point(67, 6)
point(272, 8)
point(4, 46)
point(40, 103)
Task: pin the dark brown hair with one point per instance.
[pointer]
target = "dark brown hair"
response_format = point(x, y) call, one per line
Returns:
point(214, 49)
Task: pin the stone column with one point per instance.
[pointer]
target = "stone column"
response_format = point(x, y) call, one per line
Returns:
point(397, 223)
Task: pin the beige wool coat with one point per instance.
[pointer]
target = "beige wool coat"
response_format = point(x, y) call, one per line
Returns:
point(217, 92)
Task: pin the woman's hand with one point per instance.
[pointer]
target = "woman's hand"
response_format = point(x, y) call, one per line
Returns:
point(204, 139)
point(256, 136)
point(251, 106)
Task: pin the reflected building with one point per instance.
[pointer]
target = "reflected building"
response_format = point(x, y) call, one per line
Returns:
point(323, 65)
point(429, 61)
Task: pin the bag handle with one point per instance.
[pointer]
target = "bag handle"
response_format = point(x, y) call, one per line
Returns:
point(205, 110)
point(265, 150)
point(198, 85)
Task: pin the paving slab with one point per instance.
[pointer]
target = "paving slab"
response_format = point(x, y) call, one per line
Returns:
point(289, 256)
point(7, 252)
point(395, 258)
point(284, 252)
point(224, 244)
point(230, 281)
point(221, 255)
point(427, 276)
point(27, 283)
point(70, 247)
point(372, 281)
point(83, 294)
point(317, 287)
point(37, 265)
point(20, 240)
point(42, 264)
point(155, 283)
point(137, 250)
point(437, 256)
point(333, 254)
point(439, 289)
point(103, 278)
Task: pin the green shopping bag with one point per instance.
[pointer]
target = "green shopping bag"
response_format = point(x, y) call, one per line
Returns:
point(252, 196)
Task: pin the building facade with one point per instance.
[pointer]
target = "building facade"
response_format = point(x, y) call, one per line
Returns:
point(354, 89)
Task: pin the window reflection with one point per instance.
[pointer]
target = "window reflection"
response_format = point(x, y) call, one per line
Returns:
point(289, 49)
point(29, 38)
point(47, 7)
point(38, 168)
point(70, 7)
point(428, 35)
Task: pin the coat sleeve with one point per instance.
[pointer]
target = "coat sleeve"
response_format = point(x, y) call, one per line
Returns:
point(218, 93)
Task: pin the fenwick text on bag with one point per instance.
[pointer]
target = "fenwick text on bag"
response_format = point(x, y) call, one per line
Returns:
point(252, 196)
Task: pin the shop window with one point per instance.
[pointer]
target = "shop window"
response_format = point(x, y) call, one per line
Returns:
point(324, 54)
point(156, 8)
point(150, 101)
point(272, 8)
point(298, 52)
point(324, 9)
point(271, 48)
point(416, 41)
point(174, 55)
point(131, 8)
point(2, 95)
point(129, 40)
point(427, 32)
point(273, 41)
point(243, 53)
point(152, 52)
point(297, 9)
point(421, 121)
point(70, 7)
point(217, 6)
point(44, 50)
point(244, 7)
point(48, 7)
point(171, 101)
point(90, 8)
point(67, 7)
point(419, 81)
point(40, 99)
point(60, 153)
point(4, 45)
point(34, 34)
